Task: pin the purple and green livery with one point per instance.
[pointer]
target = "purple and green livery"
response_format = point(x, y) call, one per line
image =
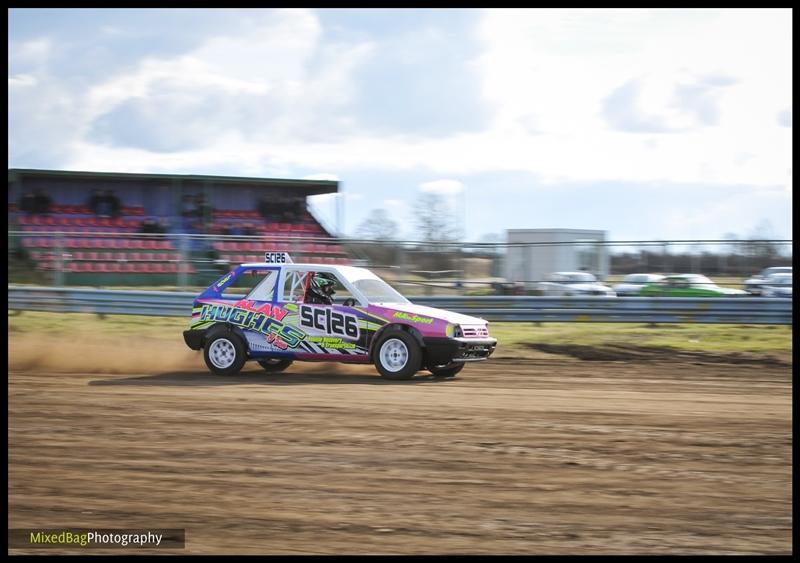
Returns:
point(280, 320)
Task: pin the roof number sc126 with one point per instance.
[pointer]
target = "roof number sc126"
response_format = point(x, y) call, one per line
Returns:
point(277, 258)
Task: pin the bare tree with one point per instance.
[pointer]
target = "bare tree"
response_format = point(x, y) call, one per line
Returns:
point(378, 226)
point(435, 221)
point(761, 245)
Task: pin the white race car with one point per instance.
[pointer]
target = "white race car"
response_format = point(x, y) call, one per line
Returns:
point(574, 283)
point(632, 284)
point(753, 285)
point(275, 312)
point(777, 285)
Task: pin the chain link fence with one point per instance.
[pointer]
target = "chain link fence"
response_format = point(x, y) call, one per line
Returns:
point(184, 261)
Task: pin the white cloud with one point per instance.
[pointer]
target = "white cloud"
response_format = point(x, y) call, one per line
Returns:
point(276, 96)
point(22, 80)
point(327, 176)
point(32, 53)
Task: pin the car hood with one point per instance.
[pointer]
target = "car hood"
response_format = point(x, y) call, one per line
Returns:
point(729, 291)
point(628, 286)
point(588, 287)
point(424, 312)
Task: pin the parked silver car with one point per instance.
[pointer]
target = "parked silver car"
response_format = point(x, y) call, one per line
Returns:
point(753, 285)
point(632, 284)
point(574, 283)
point(777, 285)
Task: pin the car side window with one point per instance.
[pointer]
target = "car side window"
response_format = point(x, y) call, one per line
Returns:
point(246, 283)
point(265, 290)
point(294, 285)
point(296, 282)
point(341, 294)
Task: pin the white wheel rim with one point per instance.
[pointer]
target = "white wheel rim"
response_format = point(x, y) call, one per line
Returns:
point(394, 355)
point(222, 353)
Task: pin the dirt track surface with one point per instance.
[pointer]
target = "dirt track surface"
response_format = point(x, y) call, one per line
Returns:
point(544, 455)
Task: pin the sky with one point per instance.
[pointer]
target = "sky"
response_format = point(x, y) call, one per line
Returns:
point(648, 124)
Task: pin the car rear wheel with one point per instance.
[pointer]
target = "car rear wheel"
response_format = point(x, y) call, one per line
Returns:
point(274, 365)
point(448, 370)
point(224, 354)
point(397, 355)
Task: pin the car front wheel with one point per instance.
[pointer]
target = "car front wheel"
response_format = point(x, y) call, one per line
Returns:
point(397, 355)
point(224, 354)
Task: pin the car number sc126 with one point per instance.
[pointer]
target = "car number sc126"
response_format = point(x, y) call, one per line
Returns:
point(277, 258)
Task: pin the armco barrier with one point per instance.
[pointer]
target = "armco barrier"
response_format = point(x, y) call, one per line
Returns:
point(739, 310)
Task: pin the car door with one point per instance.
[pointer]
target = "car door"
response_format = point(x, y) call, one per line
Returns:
point(333, 331)
point(268, 331)
point(246, 300)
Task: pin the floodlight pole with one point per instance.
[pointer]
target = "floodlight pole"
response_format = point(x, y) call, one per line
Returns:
point(340, 213)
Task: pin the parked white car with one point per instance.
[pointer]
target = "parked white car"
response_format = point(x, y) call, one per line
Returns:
point(632, 284)
point(753, 284)
point(574, 283)
point(777, 285)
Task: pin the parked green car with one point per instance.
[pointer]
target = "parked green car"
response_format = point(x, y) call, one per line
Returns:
point(688, 285)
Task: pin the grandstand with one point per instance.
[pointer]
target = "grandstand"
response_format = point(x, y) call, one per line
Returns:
point(100, 228)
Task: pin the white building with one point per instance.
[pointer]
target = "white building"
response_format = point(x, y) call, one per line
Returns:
point(554, 250)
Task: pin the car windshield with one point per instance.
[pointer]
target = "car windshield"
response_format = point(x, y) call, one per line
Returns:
point(780, 279)
point(378, 291)
point(700, 281)
point(579, 278)
point(776, 270)
point(642, 278)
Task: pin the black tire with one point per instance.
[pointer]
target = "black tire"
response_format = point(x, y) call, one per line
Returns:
point(449, 370)
point(224, 353)
point(397, 355)
point(275, 365)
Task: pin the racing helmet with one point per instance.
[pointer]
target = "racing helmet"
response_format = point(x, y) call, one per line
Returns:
point(323, 284)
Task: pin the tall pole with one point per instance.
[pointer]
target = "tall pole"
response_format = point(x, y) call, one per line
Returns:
point(340, 212)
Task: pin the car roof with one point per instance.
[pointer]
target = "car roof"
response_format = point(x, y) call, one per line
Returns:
point(349, 272)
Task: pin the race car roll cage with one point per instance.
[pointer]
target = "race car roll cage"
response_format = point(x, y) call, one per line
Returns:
point(297, 275)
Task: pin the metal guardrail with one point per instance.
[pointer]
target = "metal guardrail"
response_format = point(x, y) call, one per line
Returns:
point(739, 310)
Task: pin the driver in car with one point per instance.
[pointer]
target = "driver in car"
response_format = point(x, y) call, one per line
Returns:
point(321, 289)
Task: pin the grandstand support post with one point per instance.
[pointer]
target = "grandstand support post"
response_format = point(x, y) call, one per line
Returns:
point(59, 263)
point(183, 253)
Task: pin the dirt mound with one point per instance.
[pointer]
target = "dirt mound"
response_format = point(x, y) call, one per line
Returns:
point(632, 352)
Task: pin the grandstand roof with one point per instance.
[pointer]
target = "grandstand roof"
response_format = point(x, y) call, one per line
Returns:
point(302, 187)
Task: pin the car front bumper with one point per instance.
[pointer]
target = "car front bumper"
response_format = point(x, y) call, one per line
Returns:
point(441, 351)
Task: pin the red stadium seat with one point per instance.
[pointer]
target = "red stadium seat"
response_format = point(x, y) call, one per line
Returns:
point(114, 267)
